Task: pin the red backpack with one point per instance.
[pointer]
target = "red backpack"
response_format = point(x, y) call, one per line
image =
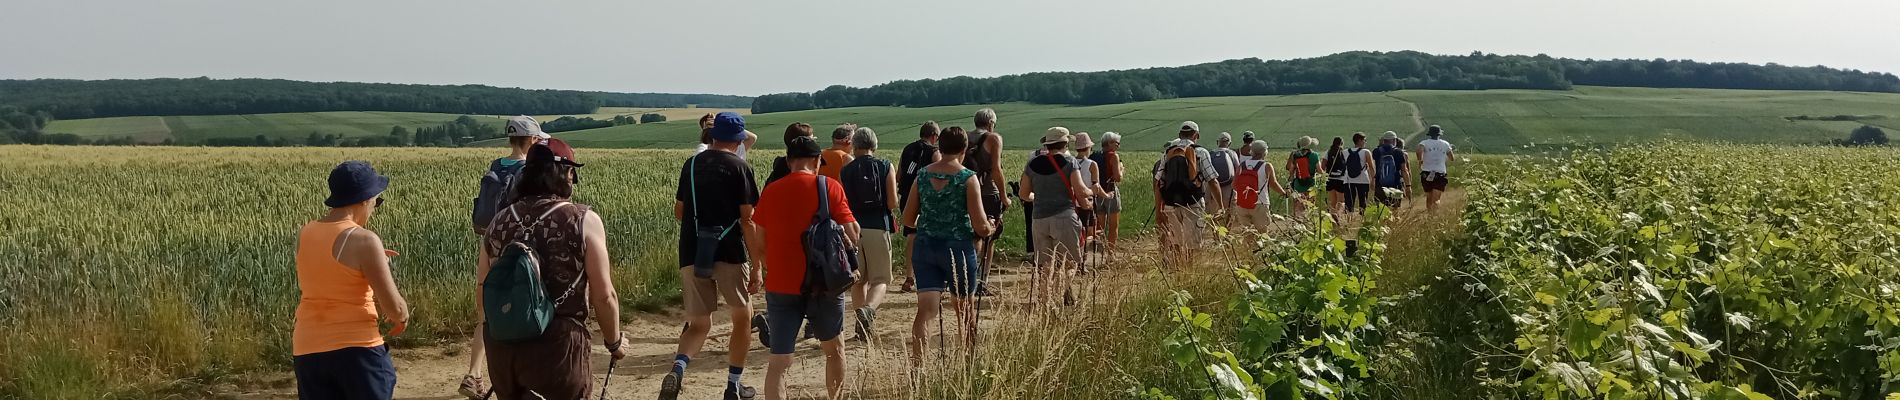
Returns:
point(1247, 186)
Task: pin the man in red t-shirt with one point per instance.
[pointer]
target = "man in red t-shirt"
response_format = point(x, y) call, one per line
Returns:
point(785, 211)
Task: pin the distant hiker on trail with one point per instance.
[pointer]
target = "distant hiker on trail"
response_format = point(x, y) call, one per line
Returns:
point(910, 163)
point(1335, 167)
point(1061, 193)
point(779, 167)
point(870, 183)
point(1433, 155)
point(1253, 209)
point(1185, 181)
point(1301, 166)
point(1091, 173)
point(1108, 202)
point(1226, 163)
point(789, 215)
point(985, 156)
point(1359, 174)
point(840, 152)
point(493, 189)
point(946, 209)
point(714, 204)
point(1392, 170)
point(344, 285)
point(545, 249)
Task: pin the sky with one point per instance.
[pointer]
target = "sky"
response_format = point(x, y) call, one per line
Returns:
point(759, 47)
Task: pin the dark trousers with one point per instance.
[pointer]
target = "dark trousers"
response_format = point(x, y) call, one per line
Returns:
point(354, 373)
point(1029, 240)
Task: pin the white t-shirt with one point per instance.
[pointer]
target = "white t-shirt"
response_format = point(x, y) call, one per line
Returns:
point(1259, 166)
point(702, 148)
point(1365, 171)
point(1436, 152)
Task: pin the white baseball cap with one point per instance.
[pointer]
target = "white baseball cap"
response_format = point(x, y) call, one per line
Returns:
point(1190, 126)
point(525, 126)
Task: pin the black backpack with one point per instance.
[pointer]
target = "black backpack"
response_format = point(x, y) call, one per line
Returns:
point(977, 155)
point(1355, 162)
point(495, 187)
point(831, 267)
point(864, 184)
point(1180, 177)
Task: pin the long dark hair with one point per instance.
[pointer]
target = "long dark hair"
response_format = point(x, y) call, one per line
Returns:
point(1339, 145)
point(542, 176)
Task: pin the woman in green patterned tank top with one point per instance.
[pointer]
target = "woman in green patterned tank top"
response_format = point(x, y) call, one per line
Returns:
point(946, 208)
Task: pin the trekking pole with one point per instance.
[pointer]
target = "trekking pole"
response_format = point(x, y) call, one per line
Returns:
point(609, 378)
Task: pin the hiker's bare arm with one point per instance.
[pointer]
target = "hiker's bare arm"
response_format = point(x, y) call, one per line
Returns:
point(979, 221)
point(1115, 158)
point(482, 263)
point(1273, 181)
point(750, 139)
point(910, 205)
point(1079, 190)
point(890, 189)
point(679, 210)
point(1096, 186)
point(754, 246)
point(1023, 191)
point(851, 232)
point(368, 257)
point(995, 148)
point(600, 283)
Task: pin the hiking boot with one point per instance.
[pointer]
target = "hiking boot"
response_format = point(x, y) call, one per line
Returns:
point(670, 386)
point(473, 387)
point(864, 323)
point(742, 393)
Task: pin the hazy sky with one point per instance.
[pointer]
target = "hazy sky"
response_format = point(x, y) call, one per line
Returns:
point(750, 48)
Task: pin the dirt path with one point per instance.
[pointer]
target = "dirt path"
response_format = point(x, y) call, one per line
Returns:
point(1418, 119)
point(874, 370)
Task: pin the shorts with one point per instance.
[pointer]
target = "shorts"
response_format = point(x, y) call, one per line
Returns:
point(1433, 181)
point(556, 365)
point(993, 208)
point(1356, 196)
point(874, 256)
point(1256, 218)
point(1185, 225)
point(1087, 217)
point(1335, 186)
point(1108, 205)
point(1227, 194)
point(346, 373)
point(1302, 185)
point(702, 295)
point(946, 266)
point(1058, 239)
point(785, 313)
point(1393, 201)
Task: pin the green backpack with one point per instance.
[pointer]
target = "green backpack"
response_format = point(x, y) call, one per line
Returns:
point(515, 302)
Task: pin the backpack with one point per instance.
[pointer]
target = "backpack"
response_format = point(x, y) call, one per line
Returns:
point(1336, 165)
point(495, 187)
point(1181, 177)
point(1389, 161)
point(864, 185)
point(1223, 166)
point(831, 267)
point(515, 304)
point(1301, 164)
point(1247, 186)
point(1355, 162)
point(977, 155)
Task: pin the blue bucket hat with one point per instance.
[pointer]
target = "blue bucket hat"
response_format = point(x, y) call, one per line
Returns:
point(728, 127)
point(354, 182)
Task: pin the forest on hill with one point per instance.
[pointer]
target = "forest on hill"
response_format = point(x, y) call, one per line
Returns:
point(1357, 71)
point(79, 99)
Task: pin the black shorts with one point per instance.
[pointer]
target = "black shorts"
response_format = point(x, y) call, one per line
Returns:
point(993, 208)
point(1087, 217)
point(1336, 186)
point(1433, 181)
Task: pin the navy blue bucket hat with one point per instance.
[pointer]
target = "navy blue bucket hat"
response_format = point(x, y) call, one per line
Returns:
point(728, 127)
point(354, 182)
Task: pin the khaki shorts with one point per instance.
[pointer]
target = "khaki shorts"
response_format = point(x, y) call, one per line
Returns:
point(702, 295)
point(1058, 239)
point(874, 256)
point(1185, 225)
point(1257, 219)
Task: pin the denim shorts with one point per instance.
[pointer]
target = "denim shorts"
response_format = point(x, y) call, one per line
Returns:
point(946, 265)
point(784, 313)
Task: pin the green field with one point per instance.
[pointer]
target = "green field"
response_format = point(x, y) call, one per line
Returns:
point(197, 128)
point(1486, 121)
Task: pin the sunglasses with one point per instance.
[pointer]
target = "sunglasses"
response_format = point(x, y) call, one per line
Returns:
point(379, 202)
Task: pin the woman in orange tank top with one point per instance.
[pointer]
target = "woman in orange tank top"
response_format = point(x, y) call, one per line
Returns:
point(345, 284)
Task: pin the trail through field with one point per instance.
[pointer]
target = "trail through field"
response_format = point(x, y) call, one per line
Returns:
point(874, 370)
point(1418, 119)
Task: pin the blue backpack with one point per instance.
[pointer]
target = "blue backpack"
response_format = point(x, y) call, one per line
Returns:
point(515, 304)
point(831, 267)
point(1390, 160)
point(496, 185)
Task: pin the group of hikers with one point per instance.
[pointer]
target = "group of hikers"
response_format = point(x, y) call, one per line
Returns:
point(816, 240)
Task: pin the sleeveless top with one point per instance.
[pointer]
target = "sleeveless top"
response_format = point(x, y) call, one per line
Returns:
point(1107, 170)
point(556, 240)
point(336, 308)
point(1082, 165)
point(1051, 189)
point(944, 213)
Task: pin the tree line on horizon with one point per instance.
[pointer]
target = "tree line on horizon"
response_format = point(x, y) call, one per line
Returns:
point(80, 99)
point(1357, 71)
